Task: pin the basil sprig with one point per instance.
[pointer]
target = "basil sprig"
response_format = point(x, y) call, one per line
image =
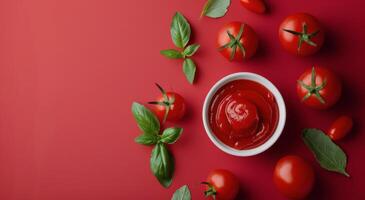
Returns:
point(328, 154)
point(215, 8)
point(162, 161)
point(180, 34)
point(182, 193)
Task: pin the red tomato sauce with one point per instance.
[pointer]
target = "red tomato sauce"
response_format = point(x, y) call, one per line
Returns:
point(243, 114)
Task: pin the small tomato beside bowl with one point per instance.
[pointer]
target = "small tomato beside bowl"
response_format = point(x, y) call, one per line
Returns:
point(237, 41)
point(319, 88)
point(257, 6)
point(221, 185)
point(340, 128)
point(301, 34)
point(294, 177)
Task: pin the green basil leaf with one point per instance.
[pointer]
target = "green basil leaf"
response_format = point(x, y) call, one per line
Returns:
point(180, 30)
point(147, 139)
point(146, 120)
point(170, 135)
point(182, 193)
point(328, 154)
point(162, 164)
point(215, 8)
point(191, 49)
point(172, 53)
point(189, 69)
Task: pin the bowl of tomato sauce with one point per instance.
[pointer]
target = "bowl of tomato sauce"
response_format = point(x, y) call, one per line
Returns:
point(244, 114)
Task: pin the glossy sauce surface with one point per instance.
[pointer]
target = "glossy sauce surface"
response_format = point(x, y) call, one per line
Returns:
point(243, 114)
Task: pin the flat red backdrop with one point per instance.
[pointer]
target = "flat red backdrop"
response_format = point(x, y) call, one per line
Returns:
point(70, 69)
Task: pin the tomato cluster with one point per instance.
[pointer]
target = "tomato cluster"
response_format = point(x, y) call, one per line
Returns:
point(318, 87)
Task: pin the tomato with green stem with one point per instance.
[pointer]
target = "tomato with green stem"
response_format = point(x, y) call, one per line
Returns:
point(294, 177)
point(221, 185)
point(237, 41)
point(257, 6)
point(301, 34)
point(169, 106)
point(340, 128)
point(319, 88)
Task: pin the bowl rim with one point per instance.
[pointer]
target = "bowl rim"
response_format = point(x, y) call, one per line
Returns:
point(278, 97)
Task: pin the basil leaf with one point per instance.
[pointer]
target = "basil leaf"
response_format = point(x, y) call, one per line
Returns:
point(162, 164)
point(146, 120)
point(170, 135)
point(215, 8)
point(182, 193)
point(189, 69)
point(328, 154)
point(172, 53)
point(147, 139)
point(180, 30)
point(191, 49)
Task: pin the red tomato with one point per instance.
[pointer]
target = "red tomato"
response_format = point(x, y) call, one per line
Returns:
point(222, 185)
point(340, 127)
point(257, 6)
point(237, 41)
point(319, 88)
point(301, 34)
point(169, 106)
point(294, 177)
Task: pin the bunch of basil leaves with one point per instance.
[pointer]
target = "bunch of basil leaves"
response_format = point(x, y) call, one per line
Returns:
point(180, 34)
point(162, 161)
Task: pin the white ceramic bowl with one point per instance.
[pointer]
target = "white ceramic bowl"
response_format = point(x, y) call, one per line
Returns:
point(279, 99)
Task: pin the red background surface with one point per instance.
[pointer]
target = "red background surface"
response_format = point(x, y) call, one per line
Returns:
point(69, 71)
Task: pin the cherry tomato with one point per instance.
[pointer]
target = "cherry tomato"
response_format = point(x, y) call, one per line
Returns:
point(237, 41)
point(169, 106)
point(340, 127)
point(222, 185)
point(319, 88)
point(301, 34)
point(257, 6)
point(294, 177)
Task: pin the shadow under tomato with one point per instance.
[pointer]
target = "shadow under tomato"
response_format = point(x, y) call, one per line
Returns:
point(190, 113)
point(350, 100)
point(187, 119)
point(243, 194)
point(261, 52)
point(333, 44)
point(270, 7)
point(317, 191)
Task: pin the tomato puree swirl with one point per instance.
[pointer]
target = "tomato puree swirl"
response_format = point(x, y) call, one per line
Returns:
point(243, 114)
